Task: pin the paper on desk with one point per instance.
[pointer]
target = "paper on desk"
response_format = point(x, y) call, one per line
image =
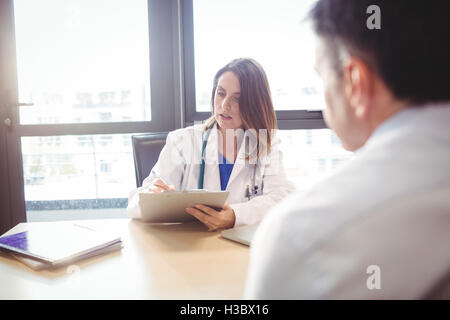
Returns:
point(38, 265)
point(49, 244)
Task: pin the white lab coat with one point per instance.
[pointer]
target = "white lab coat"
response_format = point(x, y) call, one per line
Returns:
point(377, 229)
point(179, 165)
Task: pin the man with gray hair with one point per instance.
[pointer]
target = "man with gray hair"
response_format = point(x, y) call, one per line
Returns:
point(379, 227)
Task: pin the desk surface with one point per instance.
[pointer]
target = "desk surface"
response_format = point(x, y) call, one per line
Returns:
point(176, 261)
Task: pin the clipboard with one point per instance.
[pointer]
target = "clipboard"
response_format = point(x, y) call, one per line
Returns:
point(169, 206)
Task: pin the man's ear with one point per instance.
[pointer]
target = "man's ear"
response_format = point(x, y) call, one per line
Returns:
point(358, 86)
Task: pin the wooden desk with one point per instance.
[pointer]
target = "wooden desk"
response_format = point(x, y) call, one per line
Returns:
point(178, 261)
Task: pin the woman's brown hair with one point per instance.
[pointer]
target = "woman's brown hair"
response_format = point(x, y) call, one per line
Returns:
point(255, 101)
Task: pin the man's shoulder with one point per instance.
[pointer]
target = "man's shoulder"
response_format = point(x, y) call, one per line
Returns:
point(310, 215)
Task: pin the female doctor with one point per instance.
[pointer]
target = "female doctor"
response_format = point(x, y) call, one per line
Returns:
point(235, 150)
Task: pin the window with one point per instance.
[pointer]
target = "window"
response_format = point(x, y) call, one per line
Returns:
point(334, 138)
point(86, 82)
point(270, 32)
point(70, 172)
point(273, 33)
point(309, 137)
point(105, 167)
point(99, 169)
point(308, 162)
point(82, 61)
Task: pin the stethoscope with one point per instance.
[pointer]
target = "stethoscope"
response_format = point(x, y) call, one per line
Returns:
point(250, 190)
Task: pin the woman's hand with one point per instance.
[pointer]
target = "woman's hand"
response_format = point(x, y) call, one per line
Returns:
point(213, 219)
point(159, 185)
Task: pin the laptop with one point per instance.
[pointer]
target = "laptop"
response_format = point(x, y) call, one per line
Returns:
point(242, 234)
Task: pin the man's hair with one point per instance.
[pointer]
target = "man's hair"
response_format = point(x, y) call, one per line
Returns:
point(410, 52)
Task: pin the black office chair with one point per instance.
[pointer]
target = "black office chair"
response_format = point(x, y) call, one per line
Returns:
point(146, 150)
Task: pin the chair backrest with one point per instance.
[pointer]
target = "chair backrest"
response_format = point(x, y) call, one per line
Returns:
point(146, 150)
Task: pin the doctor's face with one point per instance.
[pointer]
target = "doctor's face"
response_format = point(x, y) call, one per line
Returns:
point(226, 102)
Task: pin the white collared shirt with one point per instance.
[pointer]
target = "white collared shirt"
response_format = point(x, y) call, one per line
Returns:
point(179, 165)
point(388, 208)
